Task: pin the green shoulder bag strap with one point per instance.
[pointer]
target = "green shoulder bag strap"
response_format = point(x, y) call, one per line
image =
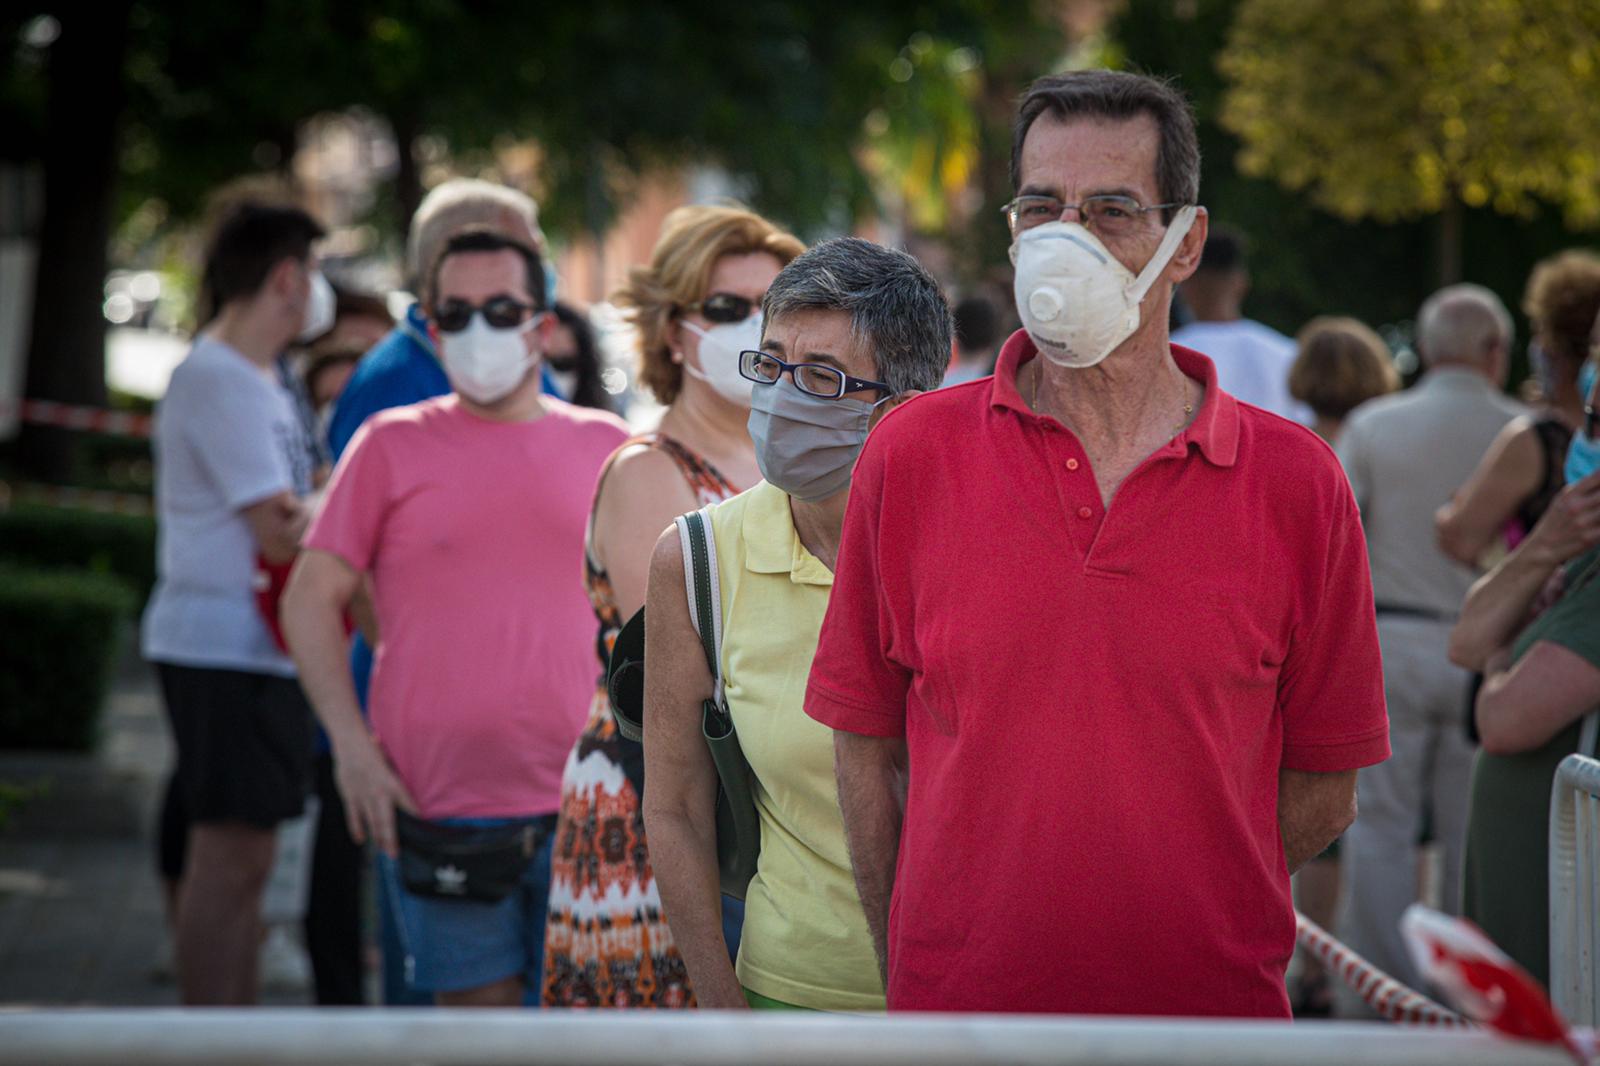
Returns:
point(738, 828)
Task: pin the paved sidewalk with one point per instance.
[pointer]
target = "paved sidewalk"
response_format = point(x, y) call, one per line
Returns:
point(81, 918)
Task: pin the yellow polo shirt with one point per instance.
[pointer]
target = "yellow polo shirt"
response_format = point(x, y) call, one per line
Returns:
point(805, 935)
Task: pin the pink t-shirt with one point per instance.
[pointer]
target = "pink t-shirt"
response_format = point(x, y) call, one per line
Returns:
point(472, 531)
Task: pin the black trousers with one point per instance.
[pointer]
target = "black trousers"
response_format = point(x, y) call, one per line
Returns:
point(333, 911)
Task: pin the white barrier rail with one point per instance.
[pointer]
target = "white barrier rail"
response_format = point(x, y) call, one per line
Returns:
point(1574, 890)
point(370, 1037)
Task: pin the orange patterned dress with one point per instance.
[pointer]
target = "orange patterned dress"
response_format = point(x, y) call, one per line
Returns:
point(607, 943)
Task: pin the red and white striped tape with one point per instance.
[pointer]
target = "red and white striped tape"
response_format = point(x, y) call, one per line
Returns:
point(76, 416)
point(1378, 990)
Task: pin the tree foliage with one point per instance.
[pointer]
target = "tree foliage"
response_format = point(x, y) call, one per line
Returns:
point(1393, 109)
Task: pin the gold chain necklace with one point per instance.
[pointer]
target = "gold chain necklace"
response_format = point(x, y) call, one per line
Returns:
point(1188, 406)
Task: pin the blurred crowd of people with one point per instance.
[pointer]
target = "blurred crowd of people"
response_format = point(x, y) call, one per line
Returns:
point(1037, 663)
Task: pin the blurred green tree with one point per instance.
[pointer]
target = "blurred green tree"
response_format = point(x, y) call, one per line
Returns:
point(1305, 260)
point(1396, 110)
point(182, 95)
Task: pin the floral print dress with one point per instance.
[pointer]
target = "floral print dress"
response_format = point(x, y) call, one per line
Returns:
point(607, 943)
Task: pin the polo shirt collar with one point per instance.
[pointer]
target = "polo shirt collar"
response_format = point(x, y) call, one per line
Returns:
point(771, 545)
point(1215, 429)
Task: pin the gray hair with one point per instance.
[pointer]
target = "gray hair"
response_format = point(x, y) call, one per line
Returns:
point(1462, 324)
point(895, 306)
point(465, 203)
point(1120, 95)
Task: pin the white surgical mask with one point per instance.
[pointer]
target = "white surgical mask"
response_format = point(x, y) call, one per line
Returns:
point(1075, 299)
point(485, 364)
point(321, 308)
point(719, 357)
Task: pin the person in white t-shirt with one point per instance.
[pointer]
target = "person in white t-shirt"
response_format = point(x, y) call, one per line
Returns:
point(1252, 360)
point(232, 464)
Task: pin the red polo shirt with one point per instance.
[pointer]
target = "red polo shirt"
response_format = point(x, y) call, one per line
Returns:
point(1096, 701)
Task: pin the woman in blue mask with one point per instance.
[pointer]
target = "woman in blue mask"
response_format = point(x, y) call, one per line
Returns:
point(852, 329)
point(1522, 470)
point(1539, 703)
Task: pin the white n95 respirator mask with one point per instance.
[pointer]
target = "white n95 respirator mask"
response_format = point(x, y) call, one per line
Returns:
point(485, 364)
point(1075, 299)
point(719, 357)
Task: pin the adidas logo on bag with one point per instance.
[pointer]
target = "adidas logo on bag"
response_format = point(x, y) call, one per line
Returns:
point(450, 880)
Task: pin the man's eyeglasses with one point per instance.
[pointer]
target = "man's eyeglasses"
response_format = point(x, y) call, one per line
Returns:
point(500, 312)
point(724, 307)
point(1106, 216)
point(814, 379)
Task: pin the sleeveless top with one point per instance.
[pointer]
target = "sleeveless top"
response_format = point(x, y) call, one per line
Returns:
point(805, 939)
point(1554, 438)
point(607, 943)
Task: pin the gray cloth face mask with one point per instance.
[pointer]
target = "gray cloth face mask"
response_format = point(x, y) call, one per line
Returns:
point(805, 445)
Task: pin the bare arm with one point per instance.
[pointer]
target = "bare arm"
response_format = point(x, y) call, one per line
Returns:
point(277, 523)
point(1522, 707)
point(321, 586)
point(1498, 604)
point(1509, 473)
point(1313, 809)
point(873, 774)
point(641, 495)
point(680, 782)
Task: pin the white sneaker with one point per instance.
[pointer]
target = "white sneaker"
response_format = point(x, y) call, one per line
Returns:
point(284, 965)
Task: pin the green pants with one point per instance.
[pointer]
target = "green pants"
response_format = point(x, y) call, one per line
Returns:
point(759, 1002)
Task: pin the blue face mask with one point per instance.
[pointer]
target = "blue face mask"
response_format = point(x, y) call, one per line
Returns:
point(1583, 457)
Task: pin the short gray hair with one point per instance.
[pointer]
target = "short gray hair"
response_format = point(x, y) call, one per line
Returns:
point(467, 203)
point(1462, 324)
point(895, 306)
point(1119, 95)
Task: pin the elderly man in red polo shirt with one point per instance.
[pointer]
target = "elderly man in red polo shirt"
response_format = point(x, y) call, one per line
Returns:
point(1100, 657)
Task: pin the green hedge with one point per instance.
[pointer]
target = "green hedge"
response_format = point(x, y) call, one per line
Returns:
point(37, 536)
point(60, 632)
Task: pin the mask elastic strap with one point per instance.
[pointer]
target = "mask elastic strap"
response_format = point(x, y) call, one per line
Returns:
point(1176, 232)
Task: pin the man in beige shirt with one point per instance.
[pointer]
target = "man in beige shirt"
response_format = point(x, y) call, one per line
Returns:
point(1405, 454)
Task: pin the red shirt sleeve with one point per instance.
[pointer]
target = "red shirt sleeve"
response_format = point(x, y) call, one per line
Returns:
point(351, 518)
point(855, 685)
point(1330, 691)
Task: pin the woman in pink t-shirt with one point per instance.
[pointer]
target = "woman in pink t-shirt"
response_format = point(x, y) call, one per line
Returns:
point(696, 306)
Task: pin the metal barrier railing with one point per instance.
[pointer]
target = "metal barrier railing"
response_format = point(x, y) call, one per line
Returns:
point(367, 1037)
point(1574, 890)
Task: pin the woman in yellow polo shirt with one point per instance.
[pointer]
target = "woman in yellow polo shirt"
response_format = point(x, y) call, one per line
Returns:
point(851, 330)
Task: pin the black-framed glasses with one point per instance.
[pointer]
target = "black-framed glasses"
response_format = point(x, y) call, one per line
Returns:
point(815, 379)
point(724, 307)
point(1106, 216)
point(500, 312)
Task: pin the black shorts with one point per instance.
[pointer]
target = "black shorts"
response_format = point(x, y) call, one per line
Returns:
point(244, 743)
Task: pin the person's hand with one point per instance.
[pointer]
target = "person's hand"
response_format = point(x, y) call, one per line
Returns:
point(1571, 525)
point(371, 792)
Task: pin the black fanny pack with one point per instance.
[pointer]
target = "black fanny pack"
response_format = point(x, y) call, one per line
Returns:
point(481, 863)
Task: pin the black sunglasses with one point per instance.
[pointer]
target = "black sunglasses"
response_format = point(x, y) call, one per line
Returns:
point(500, 312)
point(724, 307)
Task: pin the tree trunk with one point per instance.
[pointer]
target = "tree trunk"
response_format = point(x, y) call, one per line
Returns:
point(1450, 242)
point(407, 178)
point(66, 351)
